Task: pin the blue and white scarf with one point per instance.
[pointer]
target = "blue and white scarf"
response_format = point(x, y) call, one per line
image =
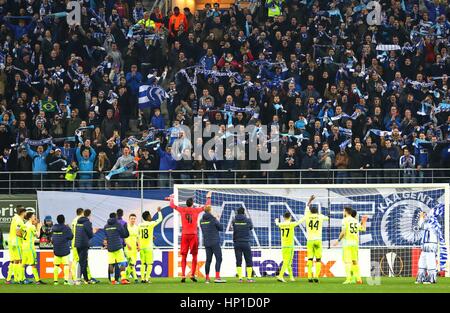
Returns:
point(434, 215)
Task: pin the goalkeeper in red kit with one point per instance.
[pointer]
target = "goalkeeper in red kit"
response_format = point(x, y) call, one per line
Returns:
point(189, 232)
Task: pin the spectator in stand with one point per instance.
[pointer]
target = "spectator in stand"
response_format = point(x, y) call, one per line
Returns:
point(157, 120)
point(373, 163)
point(326, 161)
point(126, 178)
point(167, 163)
point(85, 161)
point(347, 81)
point(39, 164)
point(177, 23)
point(309, 162)
point(390, 159)
point(407, 163)
point(55, 163)
point(102, 166)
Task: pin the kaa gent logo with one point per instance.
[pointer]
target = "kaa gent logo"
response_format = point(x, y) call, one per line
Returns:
point(399, 225)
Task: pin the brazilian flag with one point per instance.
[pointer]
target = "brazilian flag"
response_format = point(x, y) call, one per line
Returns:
point(48, 106)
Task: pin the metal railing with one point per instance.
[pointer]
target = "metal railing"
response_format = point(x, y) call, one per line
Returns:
point(28, 182)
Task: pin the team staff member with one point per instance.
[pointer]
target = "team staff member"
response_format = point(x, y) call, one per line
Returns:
point(211, 240)
point(242, 226)
point(115, 233)
point(61, 238)
point(83, 234)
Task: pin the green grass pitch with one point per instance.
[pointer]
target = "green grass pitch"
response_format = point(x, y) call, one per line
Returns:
point(262, 285)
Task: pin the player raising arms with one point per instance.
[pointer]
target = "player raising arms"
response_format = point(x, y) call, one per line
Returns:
point(350, 233)
point(30, 234)
point(287, 228)
point(314, 221)
point(189, 232)
point(145, 241)
point(15, 246)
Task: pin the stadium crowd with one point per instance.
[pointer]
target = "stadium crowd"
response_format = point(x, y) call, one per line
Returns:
point(333, 91)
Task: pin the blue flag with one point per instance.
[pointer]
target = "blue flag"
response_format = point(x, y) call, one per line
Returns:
point(151, 96)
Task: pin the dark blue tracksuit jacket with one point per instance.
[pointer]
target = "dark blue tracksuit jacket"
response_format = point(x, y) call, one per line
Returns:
point(61, 239)
point(242, 226)
point(210, 227)
point(83, 233)
point(115, 232)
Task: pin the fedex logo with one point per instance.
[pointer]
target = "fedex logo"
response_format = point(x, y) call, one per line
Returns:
point(269, 267)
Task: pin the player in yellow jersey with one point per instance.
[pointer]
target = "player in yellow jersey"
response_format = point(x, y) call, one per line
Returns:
point(314, 221)
point(287, 228)
point(30, 234)
point(145, 240)
point(74, 252)
point(132, 247)
point(350, 234)
point(15, 246)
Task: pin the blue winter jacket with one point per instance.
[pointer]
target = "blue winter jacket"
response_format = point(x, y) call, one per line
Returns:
point(39, 164)
point(242, 226)
point(61, 238)
point(86, 165)
point(115, 232)
point(210, 228)
point(83, 232)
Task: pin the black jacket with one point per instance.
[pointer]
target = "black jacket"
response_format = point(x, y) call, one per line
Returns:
point(114, 234)
point(242, 226)
point(61, 238)
point(83, 233)
point(210, 227)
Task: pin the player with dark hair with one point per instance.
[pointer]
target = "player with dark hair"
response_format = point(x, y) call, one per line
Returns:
point(132, 246)
point(83, 233)
point(145, 242)
point(15, 238)
point(287, 228)
point(189, 232)
point(75, 259)
point(114, 235)
point(314, 221)
point(242, 226)
point(350, 233)
point(30, 234)
point(61, 237)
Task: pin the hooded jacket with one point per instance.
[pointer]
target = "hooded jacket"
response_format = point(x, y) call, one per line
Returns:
point(61, 239)
point(83, 232)
point(242, 226)
point(115, 232)
point(210, 227)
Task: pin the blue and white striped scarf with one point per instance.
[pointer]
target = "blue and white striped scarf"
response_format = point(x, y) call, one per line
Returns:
point(39, 142)
point(346, 132)
point(433, 218)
